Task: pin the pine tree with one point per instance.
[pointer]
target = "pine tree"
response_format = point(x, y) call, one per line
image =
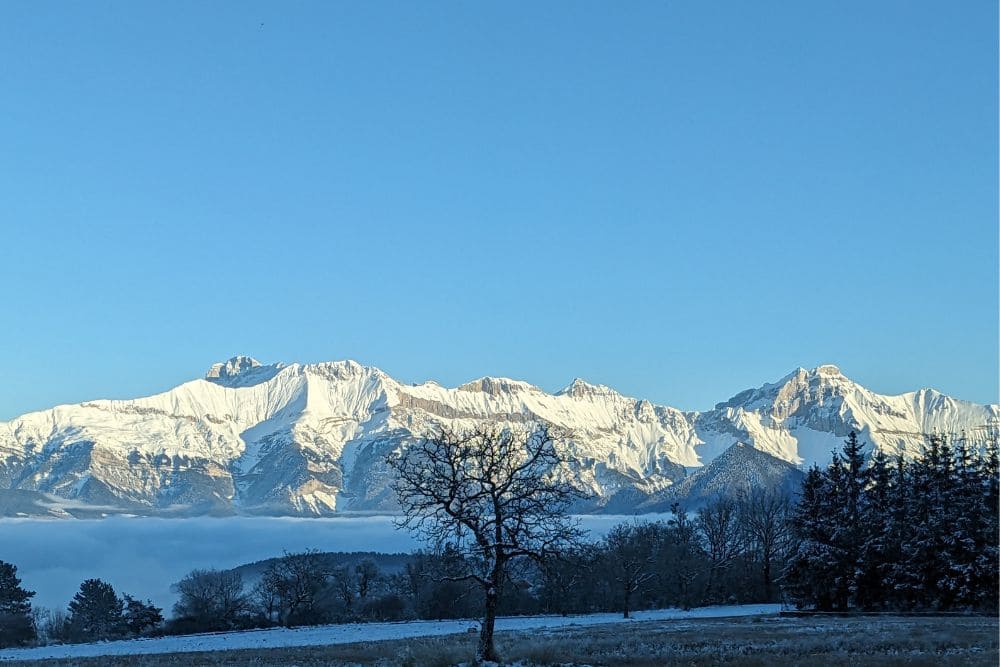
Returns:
point(897, 527)
point(141, 616)
point(16, 624)
point(928, 549)
point(966, 516)
point(828, 567)
point(917, 535)
point(809, 576)
point(850, 505)
point(96, 612)
point(877, 549)
point(988, 560)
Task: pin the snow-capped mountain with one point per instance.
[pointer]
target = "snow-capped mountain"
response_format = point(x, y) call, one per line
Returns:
point(312, 439)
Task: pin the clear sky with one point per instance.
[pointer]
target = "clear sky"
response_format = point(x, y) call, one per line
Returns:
point(678, 199)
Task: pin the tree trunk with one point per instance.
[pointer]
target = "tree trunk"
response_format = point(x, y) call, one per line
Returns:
point(767, 578)
point(626, 605)
point(486, 652)
point(711, 584)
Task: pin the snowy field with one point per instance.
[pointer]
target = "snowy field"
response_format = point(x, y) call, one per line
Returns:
point(144, 556)
point(357, 632)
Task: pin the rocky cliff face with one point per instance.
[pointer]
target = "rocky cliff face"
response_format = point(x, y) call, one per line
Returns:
point(312, 439)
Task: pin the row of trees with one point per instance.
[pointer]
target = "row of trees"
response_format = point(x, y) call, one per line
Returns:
point(726, 553)
point(96, 612)
point(723, 554)
point(898, 534)
point(297, 589)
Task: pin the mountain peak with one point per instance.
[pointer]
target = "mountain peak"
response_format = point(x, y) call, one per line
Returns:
point(828, 370)
point(231, 367)
point(241, 371)
point(580, 388)
point(803, 376)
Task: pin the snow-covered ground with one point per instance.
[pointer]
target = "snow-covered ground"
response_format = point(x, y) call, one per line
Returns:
point(355, 632)
point(143, 556)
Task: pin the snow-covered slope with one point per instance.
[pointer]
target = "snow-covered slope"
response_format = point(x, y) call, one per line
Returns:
point(312, 439)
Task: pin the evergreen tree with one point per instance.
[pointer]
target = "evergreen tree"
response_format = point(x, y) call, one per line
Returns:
point(847, 477)
point(896, 531)
point(877, 550)
point(96, 612)
point(917, 535)
point(16, 624)
point(141, 616)
point(927, 579)
point(828, 566)
point(813, 563)
point(988, 569)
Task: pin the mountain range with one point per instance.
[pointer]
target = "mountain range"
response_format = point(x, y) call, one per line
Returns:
point(311, 439)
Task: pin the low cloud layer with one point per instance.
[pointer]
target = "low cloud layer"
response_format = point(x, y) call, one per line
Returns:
point(144, 556)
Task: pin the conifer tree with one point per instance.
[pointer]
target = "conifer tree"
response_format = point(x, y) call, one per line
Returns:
point(877, 550)
point(849, 509)
point(896, 529)
point(920, 534)
point(812, 566)
point(96, 612)
point(927, 550)
point(989, 555)
point(141, 616)
point(16, 624)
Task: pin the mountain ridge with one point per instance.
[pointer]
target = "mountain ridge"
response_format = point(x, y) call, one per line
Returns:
point(311, 439)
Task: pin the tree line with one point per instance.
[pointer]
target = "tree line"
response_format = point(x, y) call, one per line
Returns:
point(96, 612)
point(898, 534)
point(721, 554)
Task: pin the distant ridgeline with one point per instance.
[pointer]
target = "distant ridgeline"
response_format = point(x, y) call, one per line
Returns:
point(312, 440)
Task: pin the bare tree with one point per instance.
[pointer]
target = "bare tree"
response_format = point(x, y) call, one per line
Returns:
point(266, 595)
point(630, 552)
point(685, 553)
point(343, 584)
point(367, 574)
point(494, 493)
point(563, 576)
point(212, 598)
point(718, 524)
point(764, 516)
point(292, 586)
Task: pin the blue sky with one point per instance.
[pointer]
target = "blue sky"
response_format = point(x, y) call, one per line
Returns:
point(679, 199)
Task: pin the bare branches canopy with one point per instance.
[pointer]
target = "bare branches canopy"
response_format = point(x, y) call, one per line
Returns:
point(493, 493)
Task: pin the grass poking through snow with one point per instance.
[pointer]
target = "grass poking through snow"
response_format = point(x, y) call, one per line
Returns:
point(764, 641)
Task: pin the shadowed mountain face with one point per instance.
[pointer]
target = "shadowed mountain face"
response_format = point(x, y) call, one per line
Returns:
point(737, 471)
point(312, 439)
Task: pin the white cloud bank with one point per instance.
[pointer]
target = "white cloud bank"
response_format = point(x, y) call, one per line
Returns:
point(144, 556)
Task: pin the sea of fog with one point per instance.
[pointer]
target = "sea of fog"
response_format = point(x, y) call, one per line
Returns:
point(144, 556)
